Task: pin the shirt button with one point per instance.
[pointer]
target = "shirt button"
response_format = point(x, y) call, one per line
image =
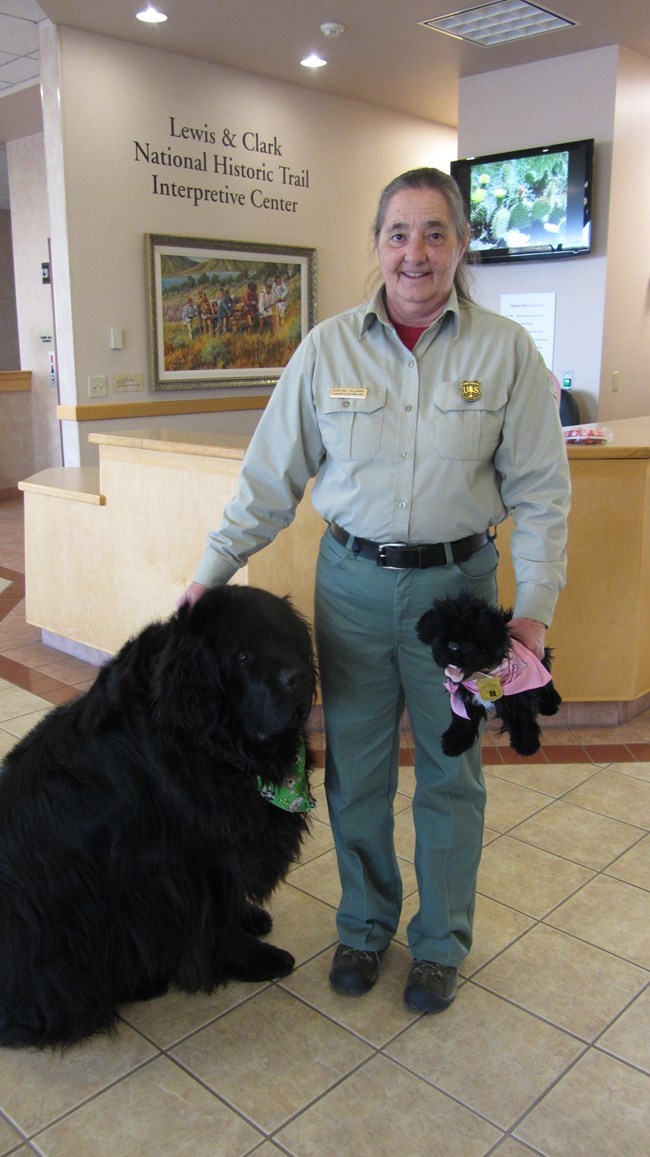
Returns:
point(408, 409)
point(346, 405)
point(411, 364)
point(401, 506)
point(405, 454)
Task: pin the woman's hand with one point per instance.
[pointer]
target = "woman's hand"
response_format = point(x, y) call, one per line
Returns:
point(531, 633)
point(191, 595)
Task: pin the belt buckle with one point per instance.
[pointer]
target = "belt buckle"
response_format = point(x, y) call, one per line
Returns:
point(381, 555)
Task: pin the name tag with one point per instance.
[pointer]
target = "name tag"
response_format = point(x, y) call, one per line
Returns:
point(348, 391)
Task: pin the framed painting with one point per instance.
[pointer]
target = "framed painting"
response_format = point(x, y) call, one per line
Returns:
point(225, 313)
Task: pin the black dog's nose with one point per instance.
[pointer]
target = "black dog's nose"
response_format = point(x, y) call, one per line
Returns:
point(453, 647)
point(293, 678)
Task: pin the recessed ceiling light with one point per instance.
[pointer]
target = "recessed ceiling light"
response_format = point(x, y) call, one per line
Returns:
point(330, 28)
point(313, 61)
point(151, 15)
point(500, 23)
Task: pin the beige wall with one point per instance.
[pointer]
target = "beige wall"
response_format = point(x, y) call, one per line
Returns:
point(102, 96)
point(9, 355)
point(602, 307)
point(626, 330)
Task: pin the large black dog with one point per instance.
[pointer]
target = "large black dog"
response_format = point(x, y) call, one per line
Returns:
point(487, 671)
point(139, 835)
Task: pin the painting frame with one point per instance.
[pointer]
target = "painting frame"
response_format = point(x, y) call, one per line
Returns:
point(222, 346)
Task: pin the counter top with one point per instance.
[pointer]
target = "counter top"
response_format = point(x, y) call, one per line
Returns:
point(179, 441)
point(631, 440)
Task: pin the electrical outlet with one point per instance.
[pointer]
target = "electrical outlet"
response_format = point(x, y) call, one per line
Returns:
point(98, 386)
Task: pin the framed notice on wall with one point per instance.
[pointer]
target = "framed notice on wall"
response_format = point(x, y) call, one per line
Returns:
point(225, 313)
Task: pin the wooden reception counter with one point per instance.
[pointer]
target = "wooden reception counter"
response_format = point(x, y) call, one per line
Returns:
point(108, 549)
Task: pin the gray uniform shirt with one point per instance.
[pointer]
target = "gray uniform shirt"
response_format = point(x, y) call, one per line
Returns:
point(422, 446)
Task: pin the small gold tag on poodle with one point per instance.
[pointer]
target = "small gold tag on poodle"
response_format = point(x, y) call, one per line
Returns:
point(489, 688)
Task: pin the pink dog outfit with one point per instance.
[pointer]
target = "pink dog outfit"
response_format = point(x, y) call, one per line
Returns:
point(519, 671)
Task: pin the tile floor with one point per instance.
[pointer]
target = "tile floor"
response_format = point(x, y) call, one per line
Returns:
point(546, 1049)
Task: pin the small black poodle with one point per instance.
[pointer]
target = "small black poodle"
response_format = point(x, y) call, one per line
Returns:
point(487, 671)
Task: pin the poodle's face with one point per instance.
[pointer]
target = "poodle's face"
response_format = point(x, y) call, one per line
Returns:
point(465, 632)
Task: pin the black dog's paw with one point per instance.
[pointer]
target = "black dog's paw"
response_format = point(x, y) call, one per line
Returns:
point(250, 959)
point(525, 742)
point(549, 700)
point(456, 741)
point(257, 921)
point(282, 962)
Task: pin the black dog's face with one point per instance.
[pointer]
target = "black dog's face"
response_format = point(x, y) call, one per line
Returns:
point(263, 651)
point(465, 632)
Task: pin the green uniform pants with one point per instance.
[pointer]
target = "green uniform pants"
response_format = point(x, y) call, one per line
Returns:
point(372, 665)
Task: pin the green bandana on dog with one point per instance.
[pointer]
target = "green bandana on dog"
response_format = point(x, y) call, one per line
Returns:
point(292, 795)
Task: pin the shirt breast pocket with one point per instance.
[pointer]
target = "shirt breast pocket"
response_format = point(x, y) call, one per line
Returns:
point(469, 430)
point(351, 427)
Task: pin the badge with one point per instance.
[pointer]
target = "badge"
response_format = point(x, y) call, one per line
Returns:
point(489, 688)
point(348, 391)
point(470, 391)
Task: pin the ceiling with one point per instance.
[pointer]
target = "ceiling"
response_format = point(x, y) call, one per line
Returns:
point(384, 57)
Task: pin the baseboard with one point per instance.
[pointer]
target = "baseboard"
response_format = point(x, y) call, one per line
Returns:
point(77, 650)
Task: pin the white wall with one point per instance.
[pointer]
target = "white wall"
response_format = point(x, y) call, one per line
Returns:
point(569, 98)
point(30, 228)
point(101, 96)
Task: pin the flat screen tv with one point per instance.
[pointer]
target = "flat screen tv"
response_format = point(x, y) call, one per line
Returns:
point(528, 204)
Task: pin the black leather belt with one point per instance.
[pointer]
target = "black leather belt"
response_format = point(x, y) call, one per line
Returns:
point(401, 556)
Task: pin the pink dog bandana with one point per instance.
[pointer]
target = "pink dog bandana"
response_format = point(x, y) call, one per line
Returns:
point(519, 671)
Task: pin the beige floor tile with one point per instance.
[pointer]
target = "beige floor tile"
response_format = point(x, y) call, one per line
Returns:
point(269, 1057)
point(410, 906)
point(495, 926)
point(168, 1019)
point(319, 839)
point(489, 835)
point(634, 866)
point(462, 1052)
point(158, 1110)
point(509, 803)
point(639, 770)
point(600, 1107)
point(407, 781)
point(38, 1087)
point(610, 914)
point(576, 834)
point(320, 811)
point(511, 1148)
point(576, 986)
point(376, 1017)
point(366, 1114)
point(526, 878)
point(7, 741)
point(405, 835)
point(9, 1138)
point(15, 702)
point(553, 779)
point(629, 1036)
point(22, 724)
point(402, 803)
point(623, 797)
point(320, 878)
point(301, 924)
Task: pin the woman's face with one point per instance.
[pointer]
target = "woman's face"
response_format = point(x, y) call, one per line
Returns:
point(418, 251)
